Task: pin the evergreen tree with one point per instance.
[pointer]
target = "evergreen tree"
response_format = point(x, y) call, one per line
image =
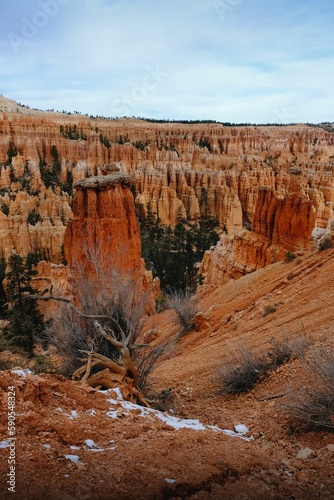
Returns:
point(2, 291)
point(173, 254)
point(25, 319)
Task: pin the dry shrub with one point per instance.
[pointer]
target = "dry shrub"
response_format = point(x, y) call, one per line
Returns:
point(69, 334)
point(145, 360)
point(119, 302)
point(246, 369)
point(312, 404)
point(282, 350)
point(104, 291)
point(185, 305)
point(242, 373)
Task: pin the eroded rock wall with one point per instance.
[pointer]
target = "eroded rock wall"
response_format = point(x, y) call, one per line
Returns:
point(281, 225)
point(188, 170)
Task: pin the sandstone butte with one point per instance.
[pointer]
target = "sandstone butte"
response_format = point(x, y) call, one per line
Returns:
point(276, 181)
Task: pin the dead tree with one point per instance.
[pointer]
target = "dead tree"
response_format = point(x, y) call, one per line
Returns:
point(108, 373)
point(110, 305)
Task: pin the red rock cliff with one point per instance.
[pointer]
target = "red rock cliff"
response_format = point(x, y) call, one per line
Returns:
point(280, 225)
point(104, 233)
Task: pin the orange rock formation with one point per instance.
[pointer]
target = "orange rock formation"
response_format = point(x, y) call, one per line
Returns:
point(280, 225)
point(104, 214)
point(104, 232)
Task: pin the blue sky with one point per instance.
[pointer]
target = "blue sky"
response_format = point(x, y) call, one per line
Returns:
point(259, 61)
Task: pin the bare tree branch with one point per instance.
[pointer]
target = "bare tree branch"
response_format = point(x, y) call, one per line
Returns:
point(78, 311)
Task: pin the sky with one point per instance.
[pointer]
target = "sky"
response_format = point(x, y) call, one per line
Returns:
point(241, 61)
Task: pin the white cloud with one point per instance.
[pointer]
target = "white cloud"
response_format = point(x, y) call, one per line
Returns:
point(94, 54)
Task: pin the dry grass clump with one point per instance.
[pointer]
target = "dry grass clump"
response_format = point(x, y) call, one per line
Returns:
point(282, 350)
point(185, 305)
point(312, 404)
point(246, 369)
point(242, 373)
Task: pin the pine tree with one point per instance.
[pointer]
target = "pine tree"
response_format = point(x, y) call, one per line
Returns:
point(3, 300)
point(25, 319)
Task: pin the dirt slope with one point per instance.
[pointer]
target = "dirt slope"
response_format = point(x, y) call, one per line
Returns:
point(145, 455)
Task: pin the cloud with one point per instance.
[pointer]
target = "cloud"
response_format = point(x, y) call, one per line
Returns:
point(251, 64)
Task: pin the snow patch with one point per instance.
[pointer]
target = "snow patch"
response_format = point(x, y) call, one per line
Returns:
point(177, 423)
point(73, 458)
point(71, 416)
point(75, 447)
point(241, 429)
point(228, 432)
point(170, 481)
point(22, 373)
point(46, 446)
point(4, 444)
point(90, 443)
point(118, 393)
point(112, 414)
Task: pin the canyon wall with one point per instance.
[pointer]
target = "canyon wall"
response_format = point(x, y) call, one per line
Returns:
point(282, 227)
point(188, 170)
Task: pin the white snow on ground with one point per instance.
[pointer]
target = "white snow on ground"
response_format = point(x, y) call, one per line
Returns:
point(228, 432)
point(118, 393)
point(73, 458)
point(22, 373)
point(175, 422)
point(241, 429)
point(90, 446)
point(112, 414)
point(46, 446)
point(90, 443)
point(71, 416)
point(170, 481)
point(5, 444)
